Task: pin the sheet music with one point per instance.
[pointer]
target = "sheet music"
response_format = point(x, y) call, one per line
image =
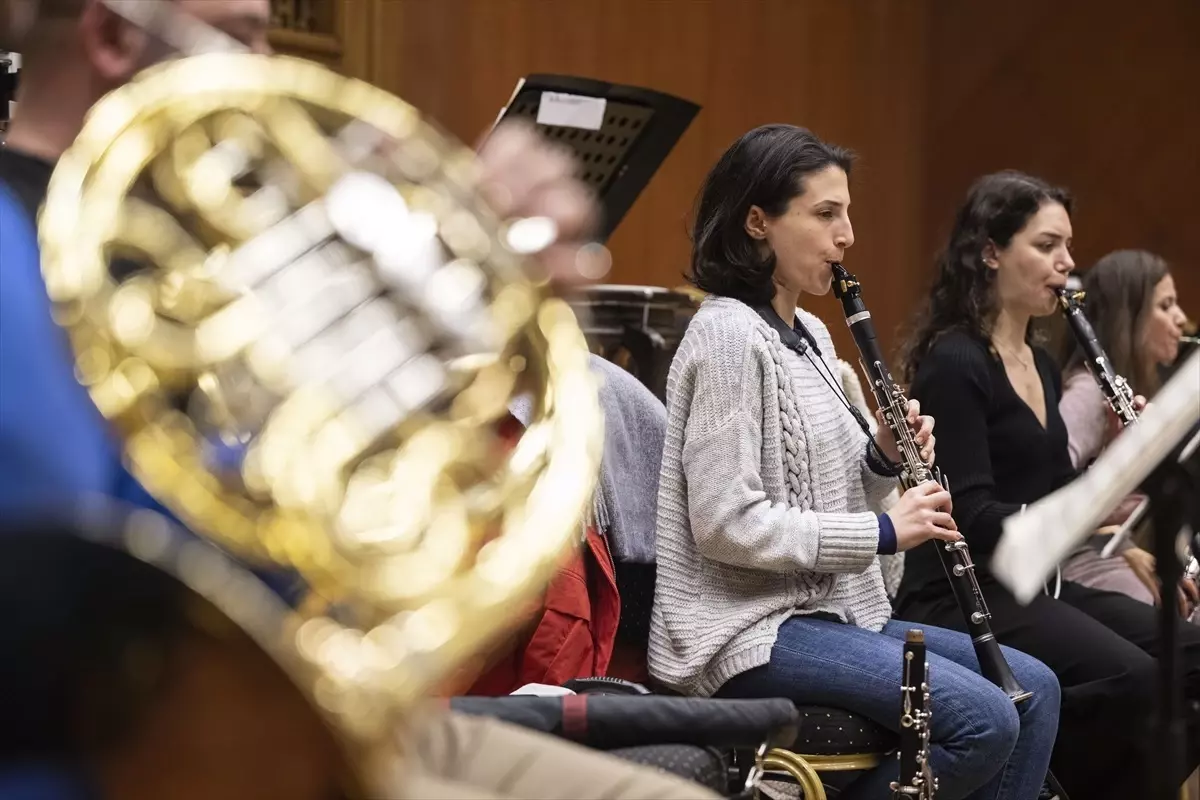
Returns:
point(1034, 542)
point(572, 110)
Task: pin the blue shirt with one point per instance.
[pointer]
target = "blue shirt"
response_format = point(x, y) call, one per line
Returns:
point(55, 446)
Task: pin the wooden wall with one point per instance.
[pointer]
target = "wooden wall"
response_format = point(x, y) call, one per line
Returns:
point(931, 93)
point(1098, 95)
point(747, 62)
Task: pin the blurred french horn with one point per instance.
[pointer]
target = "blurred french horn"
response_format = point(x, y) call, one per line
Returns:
point(282, 288)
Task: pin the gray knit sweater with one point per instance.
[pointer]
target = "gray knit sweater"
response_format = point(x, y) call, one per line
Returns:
point(763, 501)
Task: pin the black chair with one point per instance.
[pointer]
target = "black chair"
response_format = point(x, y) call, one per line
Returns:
point(692, 737)
point(827, 740)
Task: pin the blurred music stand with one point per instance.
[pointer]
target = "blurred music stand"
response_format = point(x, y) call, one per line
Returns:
point(10, 73)
point(1173, 488)
point(619, 134)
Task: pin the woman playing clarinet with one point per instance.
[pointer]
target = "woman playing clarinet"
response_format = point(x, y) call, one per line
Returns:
point(973, 364)
point(767, 545)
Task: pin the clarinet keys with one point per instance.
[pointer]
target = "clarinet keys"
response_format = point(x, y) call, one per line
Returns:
point(917, 781)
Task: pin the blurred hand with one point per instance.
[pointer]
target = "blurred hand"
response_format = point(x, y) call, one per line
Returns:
point(921, 426)
point(525, 175)
point(921, 514)
point(1115, 426)
point(1143, 565)
point(1189, 597)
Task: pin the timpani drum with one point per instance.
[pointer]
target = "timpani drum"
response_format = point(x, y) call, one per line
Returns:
point(635, 327)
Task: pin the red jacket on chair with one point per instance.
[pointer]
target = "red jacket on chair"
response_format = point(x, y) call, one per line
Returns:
point(575, 633)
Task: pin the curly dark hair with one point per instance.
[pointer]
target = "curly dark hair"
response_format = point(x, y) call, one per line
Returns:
point(998, 206)
point(766, 167)
point(1119, 291)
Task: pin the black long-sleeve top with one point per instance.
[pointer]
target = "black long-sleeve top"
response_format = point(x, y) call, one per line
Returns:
point(993, 450)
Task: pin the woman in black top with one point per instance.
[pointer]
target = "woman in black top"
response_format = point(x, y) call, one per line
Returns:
point(1002, 444)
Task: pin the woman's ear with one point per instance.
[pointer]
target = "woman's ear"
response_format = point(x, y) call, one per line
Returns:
point(991, 255)
point(756, 223)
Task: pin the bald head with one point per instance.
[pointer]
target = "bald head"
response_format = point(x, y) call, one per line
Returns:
point(79, 50)
point(245, 21)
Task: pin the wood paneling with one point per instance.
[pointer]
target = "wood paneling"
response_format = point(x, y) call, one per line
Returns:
point(1094, 94)
point(335, 33)
point(853, 72)
point(1097, 95)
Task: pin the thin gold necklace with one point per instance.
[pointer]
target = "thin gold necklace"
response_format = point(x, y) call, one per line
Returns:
point(1021, 361)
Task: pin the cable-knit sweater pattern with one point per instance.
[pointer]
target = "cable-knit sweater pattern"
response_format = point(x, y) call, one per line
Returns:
point(763, 504)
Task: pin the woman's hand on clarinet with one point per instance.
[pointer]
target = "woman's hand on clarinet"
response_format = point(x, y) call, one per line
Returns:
point(1142, 564)
point(923, 513)
point(1115, 426)
point(922, 428)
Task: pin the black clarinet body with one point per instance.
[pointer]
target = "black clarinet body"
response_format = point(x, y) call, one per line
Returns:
point(917, 781)
point(955, 556)
point(1115, 388)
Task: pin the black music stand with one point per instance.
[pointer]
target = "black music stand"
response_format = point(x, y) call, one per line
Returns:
point(1174, 491)
point(9, 79)
point(620, 134)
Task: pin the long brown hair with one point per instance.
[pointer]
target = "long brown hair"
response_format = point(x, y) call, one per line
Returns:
point(963, 297)
point(1118, 295)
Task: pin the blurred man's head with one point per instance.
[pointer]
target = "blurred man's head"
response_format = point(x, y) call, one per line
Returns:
point(79, 50)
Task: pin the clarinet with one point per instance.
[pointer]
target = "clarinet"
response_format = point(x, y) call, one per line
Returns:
point(955, 557)
point(1115, 388)
point(916, 772)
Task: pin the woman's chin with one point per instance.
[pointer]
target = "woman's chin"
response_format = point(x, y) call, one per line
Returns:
point(1172, 354)
point(821, 285)
point(1048, 306)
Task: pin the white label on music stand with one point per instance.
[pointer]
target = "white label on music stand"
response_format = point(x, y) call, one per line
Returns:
point(571, 110)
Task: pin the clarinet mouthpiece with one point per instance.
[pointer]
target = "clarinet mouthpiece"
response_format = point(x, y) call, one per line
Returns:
point(843, 280)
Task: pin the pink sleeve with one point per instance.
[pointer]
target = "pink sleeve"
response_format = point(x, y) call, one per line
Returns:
point(1083, 410)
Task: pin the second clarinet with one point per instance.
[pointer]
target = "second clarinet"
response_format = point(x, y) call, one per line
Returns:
point(1114, 387)
point(955, 557)
point(917, 781)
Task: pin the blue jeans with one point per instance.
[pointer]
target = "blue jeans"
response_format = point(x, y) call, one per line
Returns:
point(984, 747)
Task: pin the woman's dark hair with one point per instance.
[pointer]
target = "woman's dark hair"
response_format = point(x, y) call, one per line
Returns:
point(766, 167)
point(962, 298)
point(1119, 291)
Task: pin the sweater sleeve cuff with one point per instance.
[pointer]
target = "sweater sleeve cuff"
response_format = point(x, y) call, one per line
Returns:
point(847, 542)
point(887, 536)
point(880, 466)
